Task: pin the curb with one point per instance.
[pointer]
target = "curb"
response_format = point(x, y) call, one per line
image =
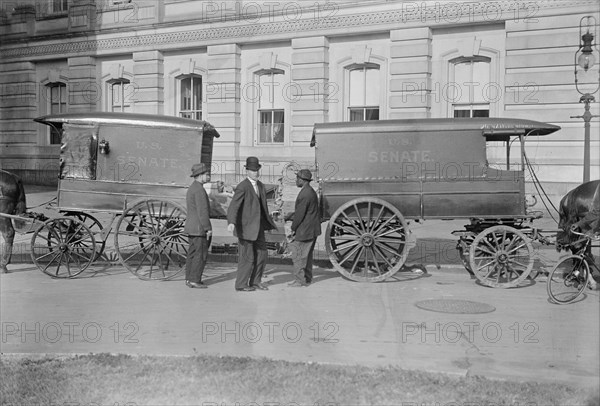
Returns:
point(25, 258)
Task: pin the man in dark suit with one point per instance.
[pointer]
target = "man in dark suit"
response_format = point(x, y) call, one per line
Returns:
point(306, 227)
point(248, 217)
point(197, 226)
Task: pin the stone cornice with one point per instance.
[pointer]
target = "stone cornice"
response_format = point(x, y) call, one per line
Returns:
point(399, 15)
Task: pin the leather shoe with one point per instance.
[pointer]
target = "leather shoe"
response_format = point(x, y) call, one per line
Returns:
point(195, 285)
point(296, 284)
point(246, 289)
point(260, 286)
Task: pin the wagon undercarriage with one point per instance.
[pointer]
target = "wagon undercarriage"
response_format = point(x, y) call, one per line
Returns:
point(368, 240)
point(148, 239)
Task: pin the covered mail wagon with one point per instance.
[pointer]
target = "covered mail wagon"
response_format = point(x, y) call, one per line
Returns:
point(133, 167)
point(376, 175)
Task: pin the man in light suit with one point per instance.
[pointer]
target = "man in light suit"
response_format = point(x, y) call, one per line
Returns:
point(248, 217)
point(306, 227)
point(197, 226)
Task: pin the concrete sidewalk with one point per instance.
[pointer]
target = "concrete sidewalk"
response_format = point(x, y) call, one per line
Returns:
point(471, 330)
point(441, 321)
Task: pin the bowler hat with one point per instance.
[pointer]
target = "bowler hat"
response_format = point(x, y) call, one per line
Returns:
point(252, 163)
point(199, 169)
point(304, 174)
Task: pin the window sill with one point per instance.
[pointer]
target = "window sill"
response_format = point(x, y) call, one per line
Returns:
point(53, 16)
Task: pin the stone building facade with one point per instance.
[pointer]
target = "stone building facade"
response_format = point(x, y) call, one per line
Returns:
point(263, 72)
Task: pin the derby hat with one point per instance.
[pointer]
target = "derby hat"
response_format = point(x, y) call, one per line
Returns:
point(304, 174)
point(199, 169)
point(252, 163)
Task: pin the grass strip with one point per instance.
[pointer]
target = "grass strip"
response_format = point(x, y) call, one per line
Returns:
point(105, 379)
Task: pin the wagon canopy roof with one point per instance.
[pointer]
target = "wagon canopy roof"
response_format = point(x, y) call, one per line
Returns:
point(133, 119)
point(492, 128)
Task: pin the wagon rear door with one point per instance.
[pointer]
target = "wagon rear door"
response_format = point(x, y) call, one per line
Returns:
point(78, 148)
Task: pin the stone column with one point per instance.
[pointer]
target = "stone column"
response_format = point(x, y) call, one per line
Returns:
point(310, 76)
point(83, 91)
point(18, 131)
point(410, 73)
point(223, 108)
point(149, 82)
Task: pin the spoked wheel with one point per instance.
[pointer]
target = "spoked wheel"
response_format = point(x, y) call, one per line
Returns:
point(501, 257)
point(366, 240)
point(150, 241)
point(63, 247)
point(568, 279)
point(94, 226)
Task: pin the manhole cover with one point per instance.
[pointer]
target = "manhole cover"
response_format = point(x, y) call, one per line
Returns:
point(454, 306)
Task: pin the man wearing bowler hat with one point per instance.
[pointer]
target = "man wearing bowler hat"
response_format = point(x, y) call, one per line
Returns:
point(248, 217)
point(306, 227)
point(197, 226)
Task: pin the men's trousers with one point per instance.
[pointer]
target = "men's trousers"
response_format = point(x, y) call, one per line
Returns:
point(252, 258)
point(302, 258)
point(196, 260)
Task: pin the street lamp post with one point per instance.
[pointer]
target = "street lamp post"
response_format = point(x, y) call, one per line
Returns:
point(584, 59)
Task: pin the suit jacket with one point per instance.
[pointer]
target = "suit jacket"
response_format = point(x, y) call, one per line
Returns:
point(197, 222)
point(247, 212)
point(307, 223)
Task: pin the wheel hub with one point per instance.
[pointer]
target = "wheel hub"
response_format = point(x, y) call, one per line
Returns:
point(502, 258)
point(63, 247)
point(155, 239)
point(367, 240)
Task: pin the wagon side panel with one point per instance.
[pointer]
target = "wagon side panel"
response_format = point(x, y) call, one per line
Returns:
point(405, 196)
point(140, 162)
point(83, 195)
point(491, 194)
point(156, 155)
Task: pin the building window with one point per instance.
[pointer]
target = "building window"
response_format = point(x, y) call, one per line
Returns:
point(58, 6)
point(190, 99)
point(56, 95)
point(119, 98)
point(271, 126)
point(364, 92)
point(271, 114)
point(469, 87)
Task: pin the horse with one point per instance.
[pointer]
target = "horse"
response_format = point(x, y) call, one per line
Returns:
point(12, 201)
point(579, 209)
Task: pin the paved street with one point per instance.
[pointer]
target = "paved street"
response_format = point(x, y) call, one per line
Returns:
point(500, 333)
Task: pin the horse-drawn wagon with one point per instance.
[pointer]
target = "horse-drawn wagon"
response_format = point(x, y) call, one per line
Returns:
point(134, 169)
point(376, 175)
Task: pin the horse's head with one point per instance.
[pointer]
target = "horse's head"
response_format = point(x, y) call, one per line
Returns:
point(578, 211)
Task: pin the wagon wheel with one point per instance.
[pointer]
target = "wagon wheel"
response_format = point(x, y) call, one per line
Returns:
point(150, 241)
point(63, 247)
point(366, 240)
point(94, 226)
point(501, 257)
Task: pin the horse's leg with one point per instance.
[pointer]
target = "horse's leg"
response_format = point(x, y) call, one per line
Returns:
point(7, 233)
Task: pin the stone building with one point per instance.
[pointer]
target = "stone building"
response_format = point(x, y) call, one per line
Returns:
point(263, 72)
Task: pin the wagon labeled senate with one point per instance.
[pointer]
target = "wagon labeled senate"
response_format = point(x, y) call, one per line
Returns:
point(372, 178)
point(134, 168)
